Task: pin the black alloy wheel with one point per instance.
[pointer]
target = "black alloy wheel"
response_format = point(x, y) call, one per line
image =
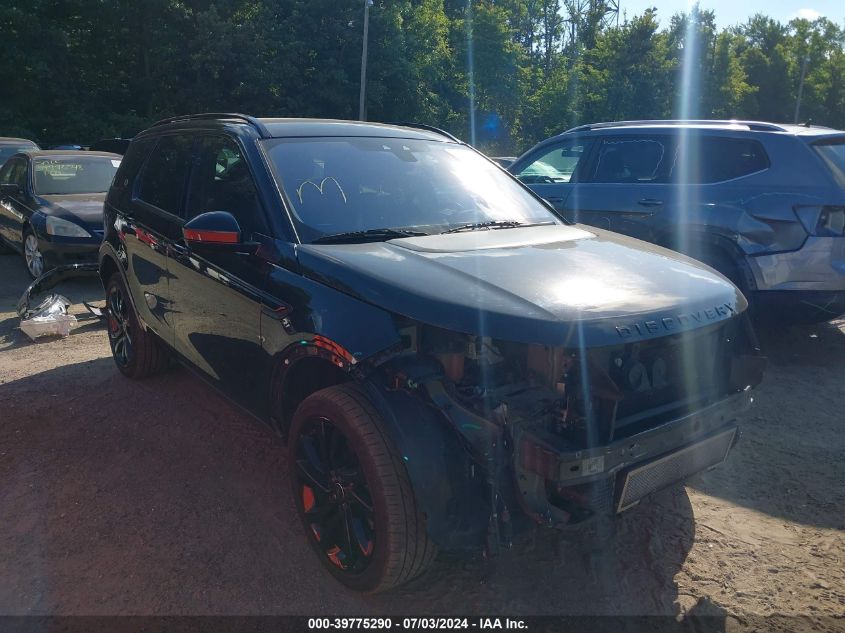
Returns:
point(335, 498)
point(120, 335)
point(353, 493)
point(136, 351)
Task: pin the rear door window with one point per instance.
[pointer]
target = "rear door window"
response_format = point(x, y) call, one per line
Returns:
point(632, 160)
point(557, 164)
point(163, 177)
point(719, 159)
point(833, 155)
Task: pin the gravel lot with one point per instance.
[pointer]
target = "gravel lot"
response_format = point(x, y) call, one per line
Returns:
point(159, 497)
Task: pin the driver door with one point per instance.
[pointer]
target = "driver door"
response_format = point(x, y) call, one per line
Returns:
point(217, 293)
point(552, 171)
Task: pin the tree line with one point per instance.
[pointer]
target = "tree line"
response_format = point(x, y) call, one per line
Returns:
point(79, 70)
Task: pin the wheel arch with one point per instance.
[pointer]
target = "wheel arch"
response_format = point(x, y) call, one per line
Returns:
point(448, 487)
point(108, 267)
point(108, 264)
point(699, 243)
point(303, 370)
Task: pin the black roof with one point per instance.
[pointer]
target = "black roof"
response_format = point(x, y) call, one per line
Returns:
point(301, 128)
point(335, 127)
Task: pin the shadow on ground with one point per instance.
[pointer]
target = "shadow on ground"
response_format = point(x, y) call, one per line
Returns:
point(789, 461)
point(159, 497)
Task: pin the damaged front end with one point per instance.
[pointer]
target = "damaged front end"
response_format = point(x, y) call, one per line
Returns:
point(568, 433)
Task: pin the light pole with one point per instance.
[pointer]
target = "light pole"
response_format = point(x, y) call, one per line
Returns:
point(363, 96)
point(801, 87)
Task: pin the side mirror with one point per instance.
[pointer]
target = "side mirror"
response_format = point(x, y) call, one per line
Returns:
point(10, 189)
point(215, 230)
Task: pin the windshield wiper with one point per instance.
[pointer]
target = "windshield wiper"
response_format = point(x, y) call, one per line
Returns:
point(370, 235)
point(495, 224)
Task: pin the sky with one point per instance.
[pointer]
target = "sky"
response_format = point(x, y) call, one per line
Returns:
point(731, 12)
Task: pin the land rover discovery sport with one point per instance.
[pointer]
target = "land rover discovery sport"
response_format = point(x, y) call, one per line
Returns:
point(440, 351)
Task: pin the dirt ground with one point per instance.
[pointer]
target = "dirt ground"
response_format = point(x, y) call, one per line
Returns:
point(159, 497)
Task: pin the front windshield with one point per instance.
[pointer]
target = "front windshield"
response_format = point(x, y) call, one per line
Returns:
point(338, 185)
point(62, 176)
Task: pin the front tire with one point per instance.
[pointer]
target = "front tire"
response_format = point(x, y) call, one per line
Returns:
point(32, 255)
point(136, 351)
point(353, 493)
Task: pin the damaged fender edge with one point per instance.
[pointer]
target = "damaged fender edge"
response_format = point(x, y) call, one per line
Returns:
point(52, 278)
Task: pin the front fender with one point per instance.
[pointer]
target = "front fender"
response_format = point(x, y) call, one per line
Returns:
point(449, 489)
point(109, 262)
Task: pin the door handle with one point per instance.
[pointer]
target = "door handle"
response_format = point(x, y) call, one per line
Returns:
point(178, 249)
point(650, 202)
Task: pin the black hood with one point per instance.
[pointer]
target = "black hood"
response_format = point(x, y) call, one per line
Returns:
point(85, 209)
point(552, 285)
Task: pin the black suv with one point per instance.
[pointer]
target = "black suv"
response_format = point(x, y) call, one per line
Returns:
point(444, 355)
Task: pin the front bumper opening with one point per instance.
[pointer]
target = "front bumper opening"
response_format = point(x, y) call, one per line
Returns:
point(642, 480)
point(622, 491)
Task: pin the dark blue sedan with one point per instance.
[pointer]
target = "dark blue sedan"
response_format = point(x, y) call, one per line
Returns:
point(51, 205)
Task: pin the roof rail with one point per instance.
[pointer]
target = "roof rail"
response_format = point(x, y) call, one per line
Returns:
point(258, 125)
point(429, 128)
point(751, 125)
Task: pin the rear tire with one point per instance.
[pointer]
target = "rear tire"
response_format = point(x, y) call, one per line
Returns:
point(136, 351)
point(353, 493)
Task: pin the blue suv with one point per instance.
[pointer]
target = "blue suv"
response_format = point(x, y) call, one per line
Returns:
point(763, 204)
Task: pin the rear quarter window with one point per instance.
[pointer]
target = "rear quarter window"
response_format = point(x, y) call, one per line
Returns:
point(719, 159)
point(132, 161)
point(161, 183)
point(832, 153)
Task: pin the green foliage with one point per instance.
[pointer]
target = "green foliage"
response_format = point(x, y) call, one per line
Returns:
point(79, 70)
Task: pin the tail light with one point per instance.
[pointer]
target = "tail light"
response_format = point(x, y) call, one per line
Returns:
point(831, 221)
point(823, 221)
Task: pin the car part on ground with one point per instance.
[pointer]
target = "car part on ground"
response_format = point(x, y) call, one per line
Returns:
point(49, 318)
point(446, 358)
point(762, 203)
point(50, 279)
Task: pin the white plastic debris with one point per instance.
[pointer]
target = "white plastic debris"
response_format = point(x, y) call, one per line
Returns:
point(50, 318)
